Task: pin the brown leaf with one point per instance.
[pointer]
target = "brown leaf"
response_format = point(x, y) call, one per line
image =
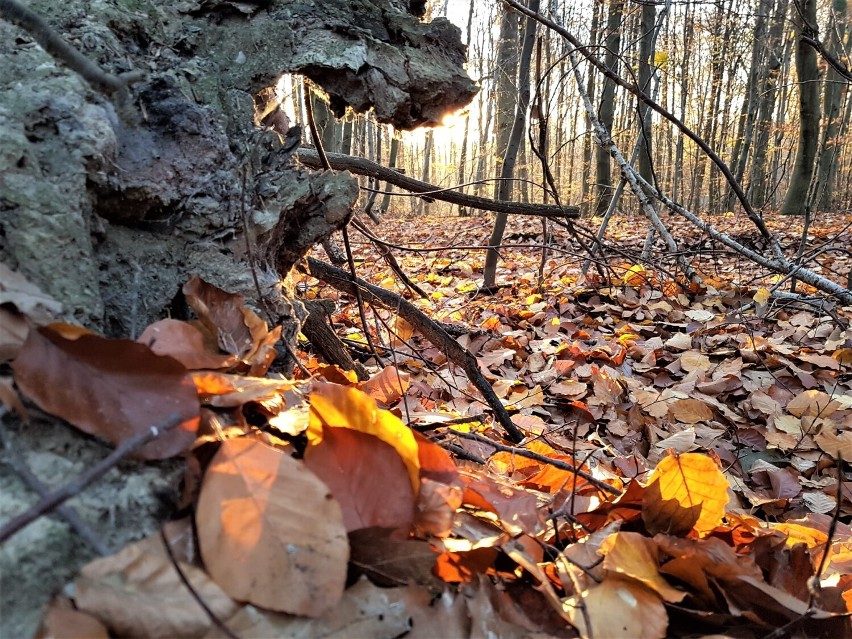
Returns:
point(238, 330)
point(346, 407)
point(61, 621)
point(812, 403)
point(364, 610)
point(393, 562)
point(366, 476)
point(138, 593)
point(269, 530)
point(219, 311)
point(110, 388)
point(690, 411)
point(386, 386)
point(185, 343)
point(619, 608)
point(633, 555)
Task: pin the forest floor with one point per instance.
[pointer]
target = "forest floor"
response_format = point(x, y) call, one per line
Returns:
point(684, 469)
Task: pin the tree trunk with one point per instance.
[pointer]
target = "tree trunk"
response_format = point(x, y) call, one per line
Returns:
point(507, 167)
point(646, 55)
point(833, 93)
point(759, 177)
point(607, 107)
point(796, 201)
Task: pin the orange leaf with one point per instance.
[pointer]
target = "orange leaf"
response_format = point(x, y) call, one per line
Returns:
point(685, 492)
point(387, 386)
point(366, 476)
point(114, 389)
point(463, 567)
point(270, 532)
point(342, 407)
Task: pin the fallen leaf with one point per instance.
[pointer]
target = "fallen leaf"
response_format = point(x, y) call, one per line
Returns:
point(364, 610)
point(64, 622)
point(366, 476)
point(635, 556)
point(619, 608)
point(812, 403)
point(685, 492)
point(690, 411)
point(346, 407)
point(114, 389)
point(185, 343)
point(269, 530)
point(386, 386)
point(138, 593)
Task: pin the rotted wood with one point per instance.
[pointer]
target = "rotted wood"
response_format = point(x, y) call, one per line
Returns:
point(326, 342)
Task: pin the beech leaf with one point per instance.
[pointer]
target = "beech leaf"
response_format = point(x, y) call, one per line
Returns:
point(269, 530)
point(111, 388)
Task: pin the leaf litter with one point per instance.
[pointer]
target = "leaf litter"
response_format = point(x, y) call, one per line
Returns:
point(378, 508)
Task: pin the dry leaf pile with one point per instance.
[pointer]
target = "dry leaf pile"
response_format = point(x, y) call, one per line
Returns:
point(684, 471)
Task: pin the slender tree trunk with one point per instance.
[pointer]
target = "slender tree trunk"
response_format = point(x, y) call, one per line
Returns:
point(646, 55)
point(796, 201)
point(607, 108)
point(507, 168)
point(767, 91)
point(427, 167)
point(748, 113)
point(392, 159)
point(833, 93)
point(585, 195)
point(462, 172)
point(677, 178)
point(506, 87)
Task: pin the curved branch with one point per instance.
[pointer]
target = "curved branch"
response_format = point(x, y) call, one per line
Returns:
point(362, 166)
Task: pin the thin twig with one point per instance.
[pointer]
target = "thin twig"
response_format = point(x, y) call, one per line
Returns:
point(69, 514)
point(192, 591)
point(87, 478)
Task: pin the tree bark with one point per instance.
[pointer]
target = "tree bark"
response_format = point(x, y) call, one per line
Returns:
point(607, 107)
point(507, 168)
point(796, 200)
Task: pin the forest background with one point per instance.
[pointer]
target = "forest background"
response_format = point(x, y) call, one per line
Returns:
point(711, 315)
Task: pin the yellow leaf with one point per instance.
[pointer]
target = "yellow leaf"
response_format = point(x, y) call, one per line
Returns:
point(685, 492)
point(636, 275)
point(761, 296)
point(346, 407)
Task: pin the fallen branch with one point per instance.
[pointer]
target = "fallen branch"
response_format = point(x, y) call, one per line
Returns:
point(86, 479)
point(455, 352)
point(362, 166)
